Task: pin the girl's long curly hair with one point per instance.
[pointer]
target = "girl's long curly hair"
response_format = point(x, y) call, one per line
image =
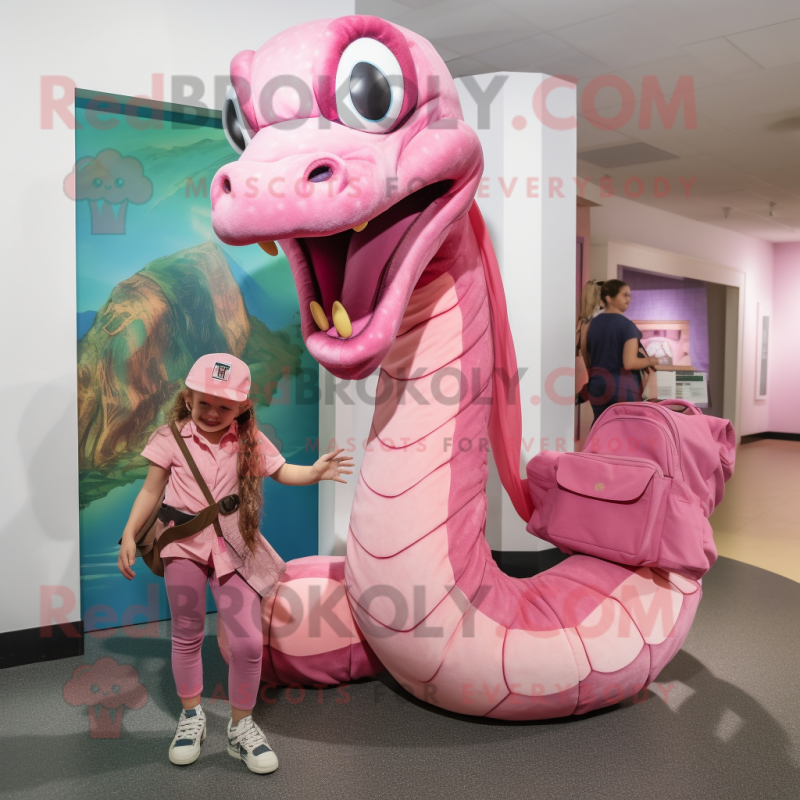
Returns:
point(251, 498)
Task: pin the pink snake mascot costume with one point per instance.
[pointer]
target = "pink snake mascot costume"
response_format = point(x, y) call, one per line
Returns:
point(418, 293)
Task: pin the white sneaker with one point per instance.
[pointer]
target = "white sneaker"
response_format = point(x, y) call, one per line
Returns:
point(185, 747)
point(247, 742)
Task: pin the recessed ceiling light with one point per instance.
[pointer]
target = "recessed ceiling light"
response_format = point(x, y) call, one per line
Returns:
point(785, 125)
point(625, 155)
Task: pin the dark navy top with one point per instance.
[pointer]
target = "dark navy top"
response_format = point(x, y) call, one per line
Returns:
point(609, 381)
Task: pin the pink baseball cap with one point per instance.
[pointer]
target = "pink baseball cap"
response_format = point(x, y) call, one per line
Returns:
point(221, 375)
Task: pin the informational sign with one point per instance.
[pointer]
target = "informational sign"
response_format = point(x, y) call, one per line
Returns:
point(665, 383)
point(691, 386)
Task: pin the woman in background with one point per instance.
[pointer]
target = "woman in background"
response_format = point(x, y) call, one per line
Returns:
point(613, 352)
point(591, 306)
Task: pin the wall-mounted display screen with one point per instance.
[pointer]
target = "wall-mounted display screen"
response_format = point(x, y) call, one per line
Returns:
point(666, 340)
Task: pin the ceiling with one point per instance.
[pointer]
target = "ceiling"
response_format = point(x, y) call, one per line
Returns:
point(740, 58)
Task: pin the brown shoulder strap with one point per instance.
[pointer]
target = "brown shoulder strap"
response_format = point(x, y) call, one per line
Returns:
point(197, 476)
point(208, 516)
point(195, 471)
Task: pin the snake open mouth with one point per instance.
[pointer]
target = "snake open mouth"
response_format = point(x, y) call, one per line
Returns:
point(353, 286)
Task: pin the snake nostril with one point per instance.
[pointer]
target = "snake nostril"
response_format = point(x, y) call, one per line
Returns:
point(226, 186)
point(321, 173)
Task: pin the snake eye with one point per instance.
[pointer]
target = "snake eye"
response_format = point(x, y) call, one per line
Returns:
point(369, 86)
point(234, 124)
point(370, 91)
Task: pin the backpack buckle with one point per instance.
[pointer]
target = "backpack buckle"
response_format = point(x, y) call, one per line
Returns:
point(229, 504)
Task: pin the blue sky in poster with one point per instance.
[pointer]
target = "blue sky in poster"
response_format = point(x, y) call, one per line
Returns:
point(169, 221)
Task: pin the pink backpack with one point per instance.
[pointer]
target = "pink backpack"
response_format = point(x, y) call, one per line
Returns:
point(641, 490)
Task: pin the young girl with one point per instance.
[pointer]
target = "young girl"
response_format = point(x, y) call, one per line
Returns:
point(217, 423)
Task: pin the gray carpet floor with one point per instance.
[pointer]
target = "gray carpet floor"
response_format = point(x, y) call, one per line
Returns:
point(721, 721)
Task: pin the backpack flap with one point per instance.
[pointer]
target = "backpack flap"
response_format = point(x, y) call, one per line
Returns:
point(604, 479)
point(606, 507)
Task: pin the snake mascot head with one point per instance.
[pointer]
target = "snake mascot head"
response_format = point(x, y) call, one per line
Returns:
point(355, 158)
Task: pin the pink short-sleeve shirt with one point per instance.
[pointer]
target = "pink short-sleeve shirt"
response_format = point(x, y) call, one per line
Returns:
point(218, 466)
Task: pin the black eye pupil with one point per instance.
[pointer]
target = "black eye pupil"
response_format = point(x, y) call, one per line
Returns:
point(370, 91)
point(231, 123)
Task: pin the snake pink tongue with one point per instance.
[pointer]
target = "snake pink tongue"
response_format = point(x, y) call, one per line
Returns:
point(358, 326)
point(367, 256)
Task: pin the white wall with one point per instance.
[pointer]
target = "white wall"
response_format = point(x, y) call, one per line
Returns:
point(622, 220)
point(346, 409)
point(108, 47)
point(528, 199)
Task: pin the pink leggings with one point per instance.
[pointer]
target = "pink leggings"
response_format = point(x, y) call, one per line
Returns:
point(239, 607)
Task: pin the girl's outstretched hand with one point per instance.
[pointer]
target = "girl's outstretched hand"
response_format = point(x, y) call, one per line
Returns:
point(127, 555)
point(331, 465)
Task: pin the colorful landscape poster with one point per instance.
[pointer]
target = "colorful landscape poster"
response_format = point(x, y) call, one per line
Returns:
point(156, 289)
